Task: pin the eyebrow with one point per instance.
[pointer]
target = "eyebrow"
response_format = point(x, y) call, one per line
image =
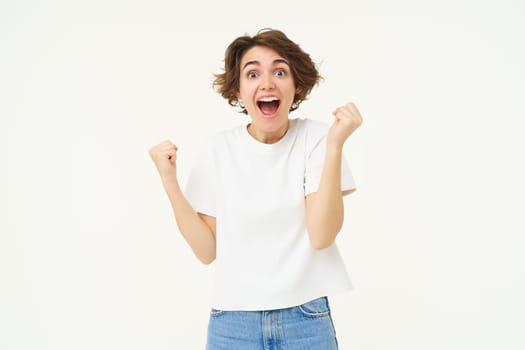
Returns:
point(276, 61)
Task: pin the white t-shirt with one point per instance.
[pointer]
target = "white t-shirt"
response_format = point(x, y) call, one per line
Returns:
point(256, 192)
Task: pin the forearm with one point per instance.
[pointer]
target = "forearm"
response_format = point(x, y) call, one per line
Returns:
point(194, 230)
point(325, 213)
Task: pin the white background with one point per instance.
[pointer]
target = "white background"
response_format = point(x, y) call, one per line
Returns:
point(90, 256)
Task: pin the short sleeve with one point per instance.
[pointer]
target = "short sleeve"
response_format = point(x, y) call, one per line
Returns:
point(200, 185)
point(314, 168)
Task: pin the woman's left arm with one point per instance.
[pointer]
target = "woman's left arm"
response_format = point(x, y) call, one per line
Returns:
point(324, 208)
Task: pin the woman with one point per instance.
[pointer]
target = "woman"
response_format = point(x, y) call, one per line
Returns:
point(264, 201)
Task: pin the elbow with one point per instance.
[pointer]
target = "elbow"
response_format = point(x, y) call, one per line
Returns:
point(323, 237)
point(206, 258)
point(322, 232)
point(321, 243)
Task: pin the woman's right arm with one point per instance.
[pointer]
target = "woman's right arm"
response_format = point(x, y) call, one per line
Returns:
point(196, 228)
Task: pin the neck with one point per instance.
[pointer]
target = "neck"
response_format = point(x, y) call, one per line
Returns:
point(268, 137)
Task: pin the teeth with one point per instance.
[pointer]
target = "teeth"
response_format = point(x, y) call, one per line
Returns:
point(268, 99)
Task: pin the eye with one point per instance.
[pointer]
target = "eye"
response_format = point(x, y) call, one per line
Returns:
point(280, 72)
point(251, 74)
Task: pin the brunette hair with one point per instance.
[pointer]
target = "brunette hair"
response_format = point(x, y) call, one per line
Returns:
point(304, 70)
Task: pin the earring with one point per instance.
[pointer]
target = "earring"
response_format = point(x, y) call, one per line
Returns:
point(295, 105)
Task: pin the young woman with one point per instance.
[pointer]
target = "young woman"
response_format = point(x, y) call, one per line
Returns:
point(264, 201)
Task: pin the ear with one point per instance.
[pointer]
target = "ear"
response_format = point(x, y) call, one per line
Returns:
point(298, 90)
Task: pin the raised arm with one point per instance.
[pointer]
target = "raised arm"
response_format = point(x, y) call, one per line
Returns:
point(196, 228)
point(324, 208)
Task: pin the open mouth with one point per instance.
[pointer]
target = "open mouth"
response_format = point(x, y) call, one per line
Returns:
point(268, 105)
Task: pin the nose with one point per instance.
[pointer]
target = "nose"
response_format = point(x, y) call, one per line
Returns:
point(267, 82)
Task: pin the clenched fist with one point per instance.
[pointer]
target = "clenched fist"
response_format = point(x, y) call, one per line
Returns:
point(347, 119)
point(164, 156)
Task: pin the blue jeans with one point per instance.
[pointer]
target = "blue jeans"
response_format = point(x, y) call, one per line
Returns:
point(305, 327)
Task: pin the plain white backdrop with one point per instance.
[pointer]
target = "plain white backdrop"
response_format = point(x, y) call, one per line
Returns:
point(90, 256)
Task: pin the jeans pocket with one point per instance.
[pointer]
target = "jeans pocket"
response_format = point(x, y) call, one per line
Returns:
point(315, 308)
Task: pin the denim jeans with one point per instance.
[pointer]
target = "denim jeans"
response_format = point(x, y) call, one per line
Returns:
point(305, 327)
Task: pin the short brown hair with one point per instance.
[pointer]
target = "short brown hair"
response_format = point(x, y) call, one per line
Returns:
point(304, 70)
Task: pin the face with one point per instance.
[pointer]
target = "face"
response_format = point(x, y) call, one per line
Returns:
point(266, 88)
